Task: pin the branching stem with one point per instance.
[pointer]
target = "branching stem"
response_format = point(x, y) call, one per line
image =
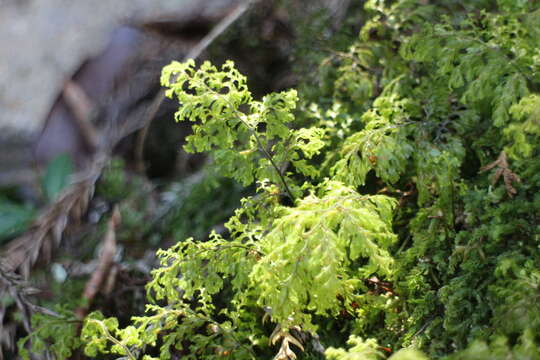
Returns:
point(262, 149)
point(114, 340)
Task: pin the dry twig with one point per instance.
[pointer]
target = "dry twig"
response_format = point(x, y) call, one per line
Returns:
point(82, 107)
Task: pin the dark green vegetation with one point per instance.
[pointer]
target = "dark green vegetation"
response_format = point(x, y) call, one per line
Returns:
point(397, 200)
point(16, 217)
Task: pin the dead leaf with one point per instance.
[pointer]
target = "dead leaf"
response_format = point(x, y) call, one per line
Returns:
point(509, 177)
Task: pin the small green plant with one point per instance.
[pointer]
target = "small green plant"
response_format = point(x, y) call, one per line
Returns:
point(257, 143)
point(57, 176)
point(14, 218)
point(53, 335)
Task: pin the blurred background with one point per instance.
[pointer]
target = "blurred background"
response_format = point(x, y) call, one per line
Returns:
point(44, 43)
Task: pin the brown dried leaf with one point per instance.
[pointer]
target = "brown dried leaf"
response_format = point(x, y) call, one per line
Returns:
point(285, 353)
point(509, 177)
point(294, 341)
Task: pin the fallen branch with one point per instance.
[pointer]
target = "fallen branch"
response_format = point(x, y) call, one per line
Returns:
point(45, 235)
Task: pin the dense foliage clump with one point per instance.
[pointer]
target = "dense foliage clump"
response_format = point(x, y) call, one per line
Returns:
point(397, 203)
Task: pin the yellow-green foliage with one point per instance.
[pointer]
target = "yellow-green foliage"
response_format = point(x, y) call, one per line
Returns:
point(250, 145)
point(369, 350)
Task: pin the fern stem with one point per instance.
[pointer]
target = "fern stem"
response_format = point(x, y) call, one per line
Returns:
point(114, 340)
point(253, 132)
point(269, 157)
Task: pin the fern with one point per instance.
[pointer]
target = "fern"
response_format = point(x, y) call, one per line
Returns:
point(54, 335)
point(336, 230)
point(256, 144)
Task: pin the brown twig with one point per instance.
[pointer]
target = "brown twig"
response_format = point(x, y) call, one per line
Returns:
point(82, 107)
point(106, 260)
point(140, 167)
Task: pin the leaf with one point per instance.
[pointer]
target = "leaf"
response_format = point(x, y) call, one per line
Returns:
point(57, 176)
point(311, 246)
point(360, 349)
point(14, 218)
